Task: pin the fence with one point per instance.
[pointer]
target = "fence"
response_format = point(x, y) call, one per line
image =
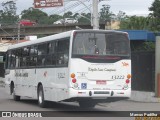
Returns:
point(143, 71)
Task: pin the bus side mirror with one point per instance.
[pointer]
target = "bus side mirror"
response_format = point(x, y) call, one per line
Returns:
point(7, 72)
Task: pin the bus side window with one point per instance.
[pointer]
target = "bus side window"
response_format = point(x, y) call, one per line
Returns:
point(63, 52)
point(25, 57)
point(33, 56)
point(50, 57)
point(8, 65)
point(42, 51)
point(12, 59)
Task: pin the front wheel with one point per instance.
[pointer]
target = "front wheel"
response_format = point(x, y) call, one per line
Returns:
point(41, 101)
point(86, 104)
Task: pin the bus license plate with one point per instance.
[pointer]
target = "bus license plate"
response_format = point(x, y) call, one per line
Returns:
point(101, 82)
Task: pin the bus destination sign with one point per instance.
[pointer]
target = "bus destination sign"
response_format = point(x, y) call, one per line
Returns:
point(47, 3)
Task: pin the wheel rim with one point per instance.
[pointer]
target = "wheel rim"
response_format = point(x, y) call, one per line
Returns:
point(40, 97)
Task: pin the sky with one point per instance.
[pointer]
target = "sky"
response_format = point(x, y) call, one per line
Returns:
point(130, 7)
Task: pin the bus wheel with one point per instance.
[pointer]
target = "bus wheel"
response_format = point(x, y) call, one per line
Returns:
point(41, 101)
point(15, 97)
point(86, 104)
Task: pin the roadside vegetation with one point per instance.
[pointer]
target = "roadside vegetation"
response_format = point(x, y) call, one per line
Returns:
point(8, 16)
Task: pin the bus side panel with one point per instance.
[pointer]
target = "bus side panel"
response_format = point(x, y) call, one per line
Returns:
point(62, 83)
point(55, 83)
point(29, 78)
point(45, 77)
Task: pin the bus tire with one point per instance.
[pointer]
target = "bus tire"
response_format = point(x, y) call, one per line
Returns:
point(41, 101)
point(15, 97)
point(86, 104)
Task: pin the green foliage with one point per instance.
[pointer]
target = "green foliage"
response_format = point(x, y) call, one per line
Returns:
point(145, 46)
point(8, 14)
point(121, 16)
point(84, 18)
point(9, 8)
point(53, 18)
point(68, 15)
point(136, 23)
point(150, 22)
point(155, 8)
point(105, 14)
point(35, 15)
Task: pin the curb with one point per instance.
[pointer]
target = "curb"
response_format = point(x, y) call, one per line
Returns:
point(140, 96)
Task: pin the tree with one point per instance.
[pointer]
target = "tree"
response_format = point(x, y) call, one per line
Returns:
point(144, 46)
point(9, 7)
point(68, 15)
point(105, 14)
point(121, 16)
point(136, 23)
point(84, 18)
point(8, 14)
point(76, 15)
point(139, 23)
point(155, 8)
point(35, 15)
point(53, 18)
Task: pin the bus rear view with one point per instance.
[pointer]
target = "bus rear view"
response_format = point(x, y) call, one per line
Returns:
point(100, 66)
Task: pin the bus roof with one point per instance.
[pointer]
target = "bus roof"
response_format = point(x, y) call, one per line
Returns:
point(56, 36)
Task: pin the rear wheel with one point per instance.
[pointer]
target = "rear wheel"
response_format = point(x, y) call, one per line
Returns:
point(87, 104)
point(41, 101)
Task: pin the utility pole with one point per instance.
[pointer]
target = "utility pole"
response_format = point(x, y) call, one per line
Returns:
point(95, 14)
point(18, 36)
point(19, 29)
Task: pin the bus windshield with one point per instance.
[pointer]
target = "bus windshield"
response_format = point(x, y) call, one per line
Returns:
point(101, 43)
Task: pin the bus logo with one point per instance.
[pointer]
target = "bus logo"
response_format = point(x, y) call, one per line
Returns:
point(125, 64)
point(84, 85)
point(45, 74)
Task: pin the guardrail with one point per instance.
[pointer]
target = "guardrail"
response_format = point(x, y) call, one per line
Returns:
point(42, 29)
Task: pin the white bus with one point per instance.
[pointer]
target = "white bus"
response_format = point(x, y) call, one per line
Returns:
point(87, 66)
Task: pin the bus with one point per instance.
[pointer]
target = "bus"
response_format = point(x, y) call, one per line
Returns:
point(86, 66)
point(2, 67)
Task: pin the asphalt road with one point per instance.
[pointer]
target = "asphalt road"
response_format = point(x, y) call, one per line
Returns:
point(67, 110)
